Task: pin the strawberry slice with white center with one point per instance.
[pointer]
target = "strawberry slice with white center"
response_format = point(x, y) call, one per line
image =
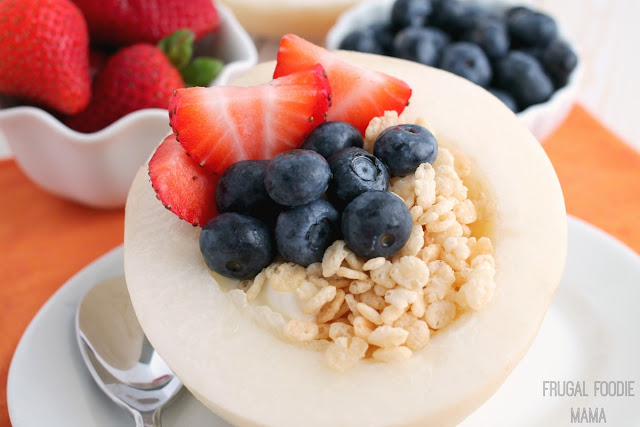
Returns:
point(183, 187)
point(358, 94)
point(221, 125)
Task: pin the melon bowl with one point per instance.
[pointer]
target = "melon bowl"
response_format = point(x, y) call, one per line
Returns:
point(248, 375)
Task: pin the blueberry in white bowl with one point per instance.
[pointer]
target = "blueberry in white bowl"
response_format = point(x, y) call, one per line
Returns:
point(497, 28)
point(467, 60)
point(521, 75)
point(420, 44)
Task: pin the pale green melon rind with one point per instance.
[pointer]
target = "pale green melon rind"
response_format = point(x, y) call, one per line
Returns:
point(250, 377)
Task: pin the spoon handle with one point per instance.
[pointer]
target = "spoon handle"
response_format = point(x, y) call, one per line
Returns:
point(147, 419)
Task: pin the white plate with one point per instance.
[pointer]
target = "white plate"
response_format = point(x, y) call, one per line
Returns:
point(589, 334)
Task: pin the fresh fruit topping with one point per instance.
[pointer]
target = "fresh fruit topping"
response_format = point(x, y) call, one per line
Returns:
point(221, 125)
point(241, 189)
point(45, 54)
point(236, 245)
point(125, 22)
point(491, 35)
point(531, 28)
point(407, 13)
point(423, 45)
point(331, 137)
point(467, 60)
point(559, 60)
point(403, 148)
point(297, 177)
point(505, 97)
point(522, 76)
point(376, 223)
point(303, 233)
point(355, 171)
point(359, 94)
point(182, 186)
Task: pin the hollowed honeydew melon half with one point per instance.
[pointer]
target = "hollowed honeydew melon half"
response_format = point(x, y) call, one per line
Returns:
point(247, 375)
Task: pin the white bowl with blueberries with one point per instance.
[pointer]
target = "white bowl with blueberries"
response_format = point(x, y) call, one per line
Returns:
point(517, 53)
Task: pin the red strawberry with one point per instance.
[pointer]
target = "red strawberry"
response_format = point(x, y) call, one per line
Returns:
point(182, 186)
point(135, 77)
point(359, 94)
point(220, 125)
point(124, 22)
point(44, 53)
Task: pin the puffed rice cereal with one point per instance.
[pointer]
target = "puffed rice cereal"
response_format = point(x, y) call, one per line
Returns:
point(385, 309)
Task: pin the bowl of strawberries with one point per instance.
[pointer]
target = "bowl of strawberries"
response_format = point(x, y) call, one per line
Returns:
point(84, 103)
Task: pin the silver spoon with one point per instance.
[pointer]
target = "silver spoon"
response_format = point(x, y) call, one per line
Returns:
point(119, 356)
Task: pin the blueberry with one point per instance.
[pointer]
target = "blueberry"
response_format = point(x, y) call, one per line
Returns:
point(423, 45)
point(491, 35)
point(376, 223)
point(558, 60)
point(456, 17)
point(304, 232)
point(236, 245)
point(384, 34)
point(522, 76)
point(403, 148)
point(467, 60)
point(297, 177)
point(354, 172)
point(407, 13)
point(362, 41)
point(241, 189)
point(331, 137)
point(530, 28)
point(505, 98)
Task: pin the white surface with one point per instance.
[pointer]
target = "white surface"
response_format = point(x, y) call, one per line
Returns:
point(589, 334)
point(541, 119)
point(97, 169)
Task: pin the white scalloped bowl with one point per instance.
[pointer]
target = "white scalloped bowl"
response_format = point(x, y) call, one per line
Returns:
point(541, 119)
point(97, 169)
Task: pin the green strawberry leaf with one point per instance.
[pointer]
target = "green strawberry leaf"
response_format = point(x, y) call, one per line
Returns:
point(201, 71)
point(178, 47)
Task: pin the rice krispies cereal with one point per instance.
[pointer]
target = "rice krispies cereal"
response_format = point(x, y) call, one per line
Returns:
point(384, 309)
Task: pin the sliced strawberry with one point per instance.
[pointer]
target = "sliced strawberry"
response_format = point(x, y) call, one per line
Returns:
point(359, 94)
point(181, 184)
point(221, 125)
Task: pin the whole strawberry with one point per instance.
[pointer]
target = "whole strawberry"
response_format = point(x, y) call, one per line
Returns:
point(44, 53)
point(124, 22)
point(136, 77)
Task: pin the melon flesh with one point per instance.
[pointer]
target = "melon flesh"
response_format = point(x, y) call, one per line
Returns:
point(249, 376)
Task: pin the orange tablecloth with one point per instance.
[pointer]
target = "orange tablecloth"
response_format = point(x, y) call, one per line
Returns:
point(45, 240)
